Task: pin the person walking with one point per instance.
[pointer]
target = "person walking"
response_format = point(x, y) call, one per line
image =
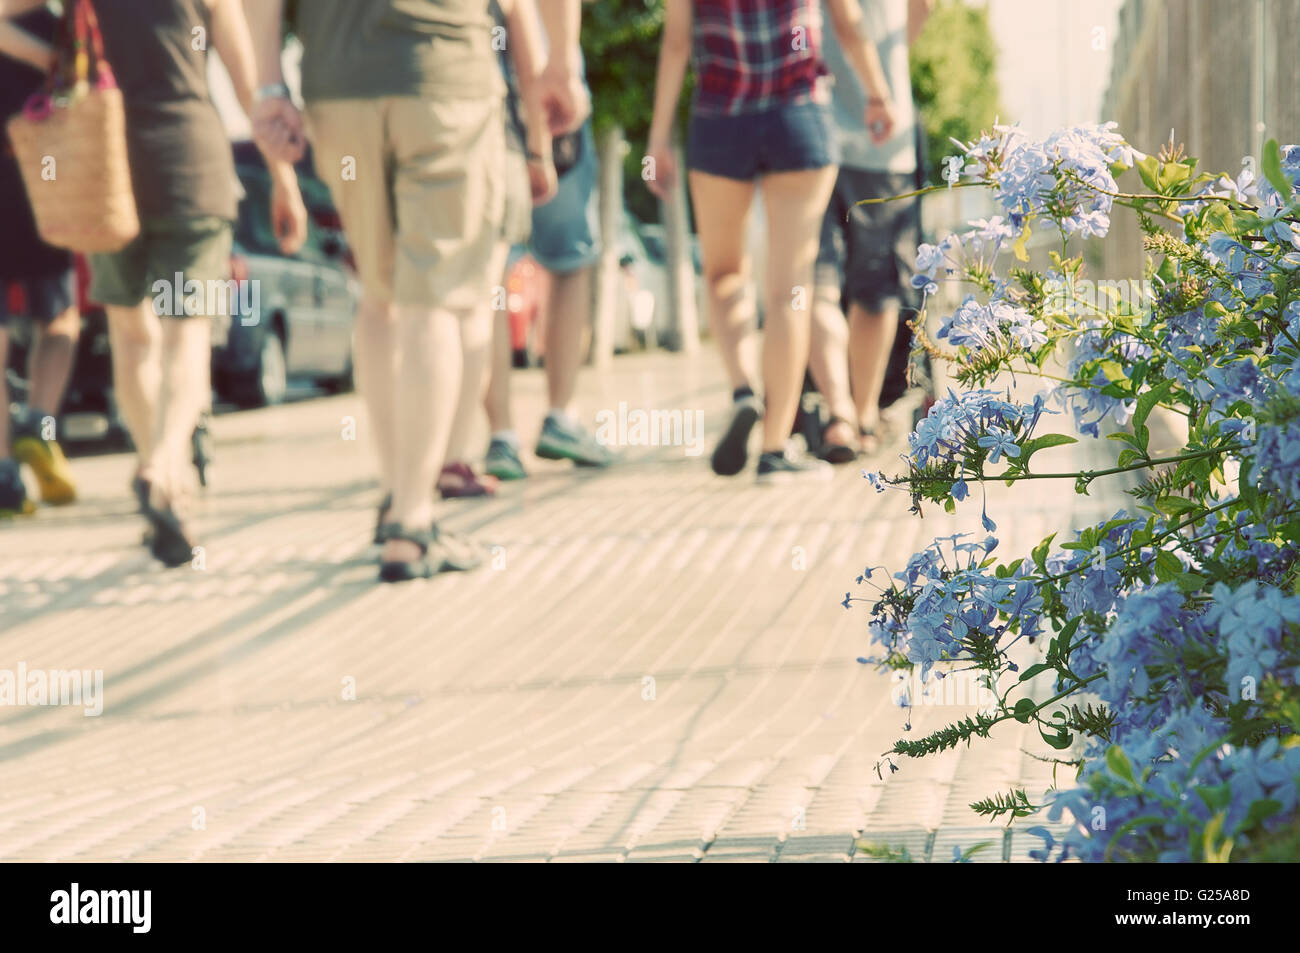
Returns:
point(760, 118)
point(404, 110)
point(41, 280)
point(530, 181)
point(868, 252)
point(565, 239)
point(183, 176)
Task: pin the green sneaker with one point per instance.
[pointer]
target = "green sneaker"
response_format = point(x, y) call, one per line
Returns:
point(563, 441)
point(503, 461)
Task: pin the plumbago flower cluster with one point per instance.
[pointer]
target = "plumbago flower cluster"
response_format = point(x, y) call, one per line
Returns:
point(1169, 634)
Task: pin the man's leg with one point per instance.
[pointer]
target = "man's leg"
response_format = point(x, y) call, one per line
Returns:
point(568, 335)
point(496, 396)
point(13, 493)
point(54, 346)
point(476, 340)
point(871, 340)
point(795, 203)
point(428, 382)
point(375, 357)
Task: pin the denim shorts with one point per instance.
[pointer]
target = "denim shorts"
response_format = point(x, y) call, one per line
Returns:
point(869, 251)
point(788, 138)
point(566, 231)
point(42, 298)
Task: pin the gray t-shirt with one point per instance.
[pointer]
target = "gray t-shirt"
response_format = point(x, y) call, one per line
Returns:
point(886, 23)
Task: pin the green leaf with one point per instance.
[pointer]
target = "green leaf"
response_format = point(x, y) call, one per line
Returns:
point(1034, 670)
point(1272, 168)
point(1119, 764)
point(1024, 710)
point(1168, 566)
point(1148, 400)
point(1190, 581)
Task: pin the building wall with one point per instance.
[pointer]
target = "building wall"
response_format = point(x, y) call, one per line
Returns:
point(1222, 74)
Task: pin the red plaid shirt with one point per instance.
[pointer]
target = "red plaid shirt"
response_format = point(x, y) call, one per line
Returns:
point(752, 55)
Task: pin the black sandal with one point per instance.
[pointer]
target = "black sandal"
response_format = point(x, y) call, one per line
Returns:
point(836, 453)
point(168, 540)
point(404, 571)
point(380, 526)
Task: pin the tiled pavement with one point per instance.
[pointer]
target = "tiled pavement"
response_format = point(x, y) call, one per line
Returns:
point(656, 667)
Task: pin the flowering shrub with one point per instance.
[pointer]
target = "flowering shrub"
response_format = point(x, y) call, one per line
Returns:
point(1172, 629)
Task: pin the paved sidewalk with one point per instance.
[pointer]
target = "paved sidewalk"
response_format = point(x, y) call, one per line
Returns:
point(656, 667)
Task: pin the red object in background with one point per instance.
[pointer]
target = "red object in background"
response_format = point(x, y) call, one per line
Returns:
point(82, 268)
point(16, 300)
point(527, 291)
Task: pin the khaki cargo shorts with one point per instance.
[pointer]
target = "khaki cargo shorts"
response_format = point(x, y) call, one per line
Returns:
point(419, 186)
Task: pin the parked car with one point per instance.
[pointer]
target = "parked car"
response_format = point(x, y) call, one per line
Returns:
point(295, 312)
point(642, 312)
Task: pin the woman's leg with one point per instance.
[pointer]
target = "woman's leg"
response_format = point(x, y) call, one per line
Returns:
point(135, 343)
point(722, 212)
point(795, 203)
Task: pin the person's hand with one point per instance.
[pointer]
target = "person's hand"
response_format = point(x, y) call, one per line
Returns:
point(564, 97)
point(288, 214)
point(661, 172)
point(542, 180)
point(880, 117)
point(278, 129)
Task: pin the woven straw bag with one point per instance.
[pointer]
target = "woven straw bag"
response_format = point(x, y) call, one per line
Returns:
point(70, 143)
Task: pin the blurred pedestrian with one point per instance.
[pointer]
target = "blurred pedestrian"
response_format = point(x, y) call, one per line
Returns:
point(404, 108)
point(565, 237)
point(42, 277)
point(760, 116)
point(185, 188)
point(529, 180)
point(868, 252)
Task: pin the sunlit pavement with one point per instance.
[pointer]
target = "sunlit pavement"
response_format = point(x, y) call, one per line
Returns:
point(657, 665)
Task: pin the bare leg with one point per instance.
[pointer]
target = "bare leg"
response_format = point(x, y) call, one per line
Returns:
point(51, 361)
point(795, 204)
point(722, 210)
point(496, 398)
point(374, 355)
point(476, 344)
point(135, 337)
point(429, 380)
point(568, 335)
point(828, 359)
point(185, 393)
point(871, 339)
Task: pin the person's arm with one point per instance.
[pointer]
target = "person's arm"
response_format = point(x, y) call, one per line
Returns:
point(674, 55)
point(12, 8)
point(918, 11)
point(527, 55)
point(850, 30)
point(21, 45)
point(277, 124)
point(560, 87)
point(234, 44)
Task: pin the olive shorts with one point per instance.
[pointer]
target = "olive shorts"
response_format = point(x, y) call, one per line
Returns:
point(195, 249)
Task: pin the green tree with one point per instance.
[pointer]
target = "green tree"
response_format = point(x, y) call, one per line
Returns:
point(620, 41)
point(954, 79)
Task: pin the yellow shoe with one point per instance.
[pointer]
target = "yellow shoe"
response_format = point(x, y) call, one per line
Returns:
point(53, 475)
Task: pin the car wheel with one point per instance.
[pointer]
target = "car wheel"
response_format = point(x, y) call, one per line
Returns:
point(268, 382)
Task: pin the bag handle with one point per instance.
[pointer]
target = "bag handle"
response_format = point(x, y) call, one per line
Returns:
point(79, 58)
